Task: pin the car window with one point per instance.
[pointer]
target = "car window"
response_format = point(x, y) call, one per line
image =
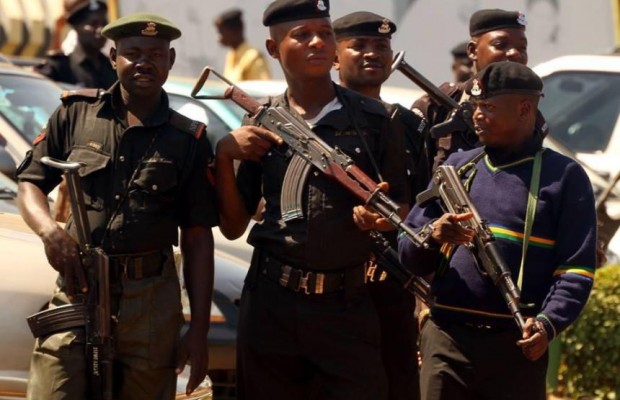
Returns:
point(581, 109)
point(216, 128)
point(27, 103)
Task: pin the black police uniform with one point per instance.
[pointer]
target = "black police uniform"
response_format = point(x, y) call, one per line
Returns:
point(294, 345)
point(141, 183)
point(395, 306)
point(77, 69)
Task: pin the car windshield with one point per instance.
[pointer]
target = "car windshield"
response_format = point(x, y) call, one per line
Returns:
point(581, 109)
point(27, 102)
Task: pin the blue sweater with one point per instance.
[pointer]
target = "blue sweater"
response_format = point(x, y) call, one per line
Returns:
point(559, 268)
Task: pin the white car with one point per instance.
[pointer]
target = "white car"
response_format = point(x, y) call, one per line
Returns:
point(582, 107)
point(27, 100)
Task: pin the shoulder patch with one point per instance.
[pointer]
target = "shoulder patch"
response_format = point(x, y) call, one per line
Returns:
point(80, 94)
point(40, 137)
point(187, 125)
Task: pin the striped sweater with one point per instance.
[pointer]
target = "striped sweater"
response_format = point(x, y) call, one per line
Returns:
point(559, 268)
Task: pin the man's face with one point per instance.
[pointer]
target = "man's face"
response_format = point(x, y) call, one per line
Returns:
point(89, 30)
point(364, 61)
point(496, 120)
point(305, 49)
point(142, 64)
point(509, 44)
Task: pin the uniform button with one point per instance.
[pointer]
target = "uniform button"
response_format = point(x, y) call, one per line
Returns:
point(358, 150)
point(121, 158)
point(117, 196)
point(154, 187)
point(316, 173)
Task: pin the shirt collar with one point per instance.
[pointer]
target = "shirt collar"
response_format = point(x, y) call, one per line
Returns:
point(159, 117)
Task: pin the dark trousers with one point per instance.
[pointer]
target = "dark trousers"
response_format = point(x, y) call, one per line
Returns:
point(399, 335)
point(466, 363)
point(293, 346)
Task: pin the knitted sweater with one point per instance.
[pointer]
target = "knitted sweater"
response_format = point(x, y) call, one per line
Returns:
point(559, 269)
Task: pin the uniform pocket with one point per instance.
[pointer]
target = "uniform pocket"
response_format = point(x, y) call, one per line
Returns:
point(92, 172)
point(154, 188)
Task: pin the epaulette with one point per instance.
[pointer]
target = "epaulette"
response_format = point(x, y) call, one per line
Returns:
point(80, 94)
point(367, 104)
point(187, 125)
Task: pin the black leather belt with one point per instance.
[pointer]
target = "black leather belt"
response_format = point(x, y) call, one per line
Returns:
point(310, 282)
point(138, 266)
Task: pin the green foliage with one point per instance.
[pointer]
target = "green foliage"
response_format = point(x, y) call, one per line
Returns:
point(590, 364)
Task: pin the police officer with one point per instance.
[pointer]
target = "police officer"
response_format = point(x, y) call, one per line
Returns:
point(144, 178)
point(364, 59)
point(495, 35)
point(529, 196)
point(85, 66)
point(243, 62)
point(308, 328)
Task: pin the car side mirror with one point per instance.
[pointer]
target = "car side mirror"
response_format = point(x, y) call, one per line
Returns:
point(7, 165)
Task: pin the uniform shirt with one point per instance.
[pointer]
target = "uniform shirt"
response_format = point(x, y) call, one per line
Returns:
point(76, 69)
point(432, 113)
point(415, 148)
point(326, 238)
point(168, 155)
point(245, 63)
point(559, 268)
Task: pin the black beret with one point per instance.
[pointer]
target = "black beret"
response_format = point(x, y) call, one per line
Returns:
point(460, 50)
point(230, 17)
point(363, 23)
point(502, 78)
point(141, 24)
point(483, 21)
point(293, 10)
point(75, 11)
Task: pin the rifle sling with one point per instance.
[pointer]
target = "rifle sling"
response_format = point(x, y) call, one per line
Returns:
point(530, 212)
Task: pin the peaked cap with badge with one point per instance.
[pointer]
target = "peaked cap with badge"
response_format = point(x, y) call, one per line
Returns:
point(141, 24)
point(483, 21)
point(363, 23)
point(281, 11)
point(504, 77)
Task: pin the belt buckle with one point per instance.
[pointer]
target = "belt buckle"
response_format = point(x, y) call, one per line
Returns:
point(371, 273)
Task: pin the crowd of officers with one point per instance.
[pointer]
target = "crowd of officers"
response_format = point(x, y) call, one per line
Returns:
point(318, 318)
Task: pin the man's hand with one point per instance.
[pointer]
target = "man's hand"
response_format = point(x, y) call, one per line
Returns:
point(248, 142)
point(63, 255)
point(447, 229)
point(535, 341)
point(366, 218)
point(193, 351)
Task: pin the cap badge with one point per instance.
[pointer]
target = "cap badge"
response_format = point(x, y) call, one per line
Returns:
point(476, 90)
point(385, 26)
point(150, 30)
point(320, 5)
point(521, 19)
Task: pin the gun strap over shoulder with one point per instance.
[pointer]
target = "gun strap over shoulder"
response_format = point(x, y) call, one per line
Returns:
point(530, 212)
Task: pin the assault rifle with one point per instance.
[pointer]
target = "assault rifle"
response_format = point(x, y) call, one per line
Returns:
point(447, 186)
point(309, 150)
point(93, 311)
point(461, 117)
point(387, 258)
